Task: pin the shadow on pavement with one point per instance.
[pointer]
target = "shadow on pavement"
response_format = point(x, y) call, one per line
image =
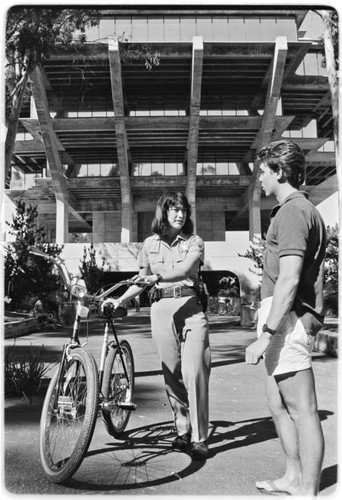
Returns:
point(329, 477)
point(140, 458)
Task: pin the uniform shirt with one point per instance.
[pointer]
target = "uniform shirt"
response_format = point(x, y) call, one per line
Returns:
point(162, 257)
point(297, 228)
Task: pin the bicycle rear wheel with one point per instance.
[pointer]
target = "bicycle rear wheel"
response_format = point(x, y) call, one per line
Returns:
point(69, 416)
point(116, 388)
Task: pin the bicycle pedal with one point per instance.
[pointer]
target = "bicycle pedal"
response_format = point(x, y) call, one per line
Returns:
point(127, 405)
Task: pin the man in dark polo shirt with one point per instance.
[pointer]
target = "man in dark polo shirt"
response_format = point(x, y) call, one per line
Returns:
point(290, 314)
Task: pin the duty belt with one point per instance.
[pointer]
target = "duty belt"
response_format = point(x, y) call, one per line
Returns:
point(173, 292)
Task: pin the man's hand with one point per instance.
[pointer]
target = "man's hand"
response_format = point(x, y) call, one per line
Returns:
point(255, 351)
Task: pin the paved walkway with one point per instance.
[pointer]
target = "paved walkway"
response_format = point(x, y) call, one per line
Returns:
point(243, 444)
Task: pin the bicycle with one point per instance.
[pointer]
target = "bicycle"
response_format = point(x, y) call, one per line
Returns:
point(79, 388)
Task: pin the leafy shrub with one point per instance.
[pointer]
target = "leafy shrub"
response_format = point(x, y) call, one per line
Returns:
point(93, 276)
point(23, 372)
point(28, 277)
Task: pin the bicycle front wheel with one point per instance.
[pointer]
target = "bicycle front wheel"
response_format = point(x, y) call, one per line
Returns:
point(116, 388)
point(69, 416)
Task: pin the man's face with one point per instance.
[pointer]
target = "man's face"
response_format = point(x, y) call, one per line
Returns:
point(268, 179)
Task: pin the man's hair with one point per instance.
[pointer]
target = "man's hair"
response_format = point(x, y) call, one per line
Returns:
point(287, 157)
point(160, 223)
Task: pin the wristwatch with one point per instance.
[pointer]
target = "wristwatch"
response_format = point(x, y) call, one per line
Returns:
point(265, 328)
point(159, 277)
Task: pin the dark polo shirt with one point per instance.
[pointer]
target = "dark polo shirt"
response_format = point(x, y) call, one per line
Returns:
point(297, 228)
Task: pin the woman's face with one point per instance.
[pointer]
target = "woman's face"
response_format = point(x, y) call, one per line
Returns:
point(176, 217)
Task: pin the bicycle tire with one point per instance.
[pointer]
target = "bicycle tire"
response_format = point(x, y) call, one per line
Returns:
point(114, 387)
point(68, 416)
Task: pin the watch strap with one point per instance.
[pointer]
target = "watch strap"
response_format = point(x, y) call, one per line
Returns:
point(266, 328)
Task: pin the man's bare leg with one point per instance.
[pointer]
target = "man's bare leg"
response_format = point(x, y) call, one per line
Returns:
point(299, 395)
point(287, 434)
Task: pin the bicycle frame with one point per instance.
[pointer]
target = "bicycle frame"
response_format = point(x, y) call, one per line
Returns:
point(74, 287)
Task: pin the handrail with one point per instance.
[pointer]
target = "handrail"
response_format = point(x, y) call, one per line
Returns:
point(67, 278)
point(56, 260)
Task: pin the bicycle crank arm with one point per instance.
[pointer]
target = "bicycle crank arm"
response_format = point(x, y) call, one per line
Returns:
point(125, 405)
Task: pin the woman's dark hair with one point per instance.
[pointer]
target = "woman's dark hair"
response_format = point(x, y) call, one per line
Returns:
point(160, 223)
point(287, 157)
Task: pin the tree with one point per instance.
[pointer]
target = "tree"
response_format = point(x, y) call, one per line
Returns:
point(90, 272)
point(331, 260)
point(255, 252)
point(27, 276)
point(331, 50)
point(331, 62)
point(32, 36)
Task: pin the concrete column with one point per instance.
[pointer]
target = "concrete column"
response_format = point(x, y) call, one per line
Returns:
point(127, 225)
point(62, 222)
point(255, 212)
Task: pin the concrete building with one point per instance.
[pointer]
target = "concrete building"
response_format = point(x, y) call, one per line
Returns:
point(104, 136)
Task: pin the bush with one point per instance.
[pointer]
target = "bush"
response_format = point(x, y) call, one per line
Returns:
point(93, 276)
point(23, 372)
point(28, 277)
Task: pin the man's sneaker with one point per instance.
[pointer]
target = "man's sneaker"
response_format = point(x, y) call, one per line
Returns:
point(182, 443)
point(199, 451)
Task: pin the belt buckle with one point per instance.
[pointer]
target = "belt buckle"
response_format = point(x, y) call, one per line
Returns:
point(177, 292)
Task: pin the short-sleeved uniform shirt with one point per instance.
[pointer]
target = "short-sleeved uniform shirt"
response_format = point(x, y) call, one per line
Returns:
point(297, 228)
point(161, 257)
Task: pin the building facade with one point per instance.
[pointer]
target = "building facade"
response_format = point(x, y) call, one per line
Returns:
point(105, 134)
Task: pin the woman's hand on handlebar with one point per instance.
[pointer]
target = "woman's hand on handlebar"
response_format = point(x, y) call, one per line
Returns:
point(110, 304)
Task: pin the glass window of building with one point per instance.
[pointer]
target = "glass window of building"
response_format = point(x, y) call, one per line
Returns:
point(187, 28)
point(174, 169)
point(236, 29)
point(172, 29)
point(287, 27)
point(268, 29)
point(139, 30)
point(220, 29)
point(157, 169)
point(83, 171)
point(252, 29)
point(221, 168)
point(205, 28)
point(123, 28)
point(107, 28)
point(155, 30)
point(233, 169)
point(94, 170)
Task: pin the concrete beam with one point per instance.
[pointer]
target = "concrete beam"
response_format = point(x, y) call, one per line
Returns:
point(49, 139)
point(323, 191)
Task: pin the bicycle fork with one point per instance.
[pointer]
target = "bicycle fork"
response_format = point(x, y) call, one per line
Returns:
point(109, 405)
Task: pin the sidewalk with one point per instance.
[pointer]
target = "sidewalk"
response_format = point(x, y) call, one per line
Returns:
point(243, 444)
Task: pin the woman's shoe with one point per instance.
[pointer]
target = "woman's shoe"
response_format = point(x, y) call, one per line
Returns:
point(182, 443)
point(199, 451)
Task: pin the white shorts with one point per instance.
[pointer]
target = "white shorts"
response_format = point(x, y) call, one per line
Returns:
point(290, 347)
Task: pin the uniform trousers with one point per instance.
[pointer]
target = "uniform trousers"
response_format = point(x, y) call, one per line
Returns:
point(180, 333)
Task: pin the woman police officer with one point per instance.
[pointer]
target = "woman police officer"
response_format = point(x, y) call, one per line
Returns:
point(170, 260)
